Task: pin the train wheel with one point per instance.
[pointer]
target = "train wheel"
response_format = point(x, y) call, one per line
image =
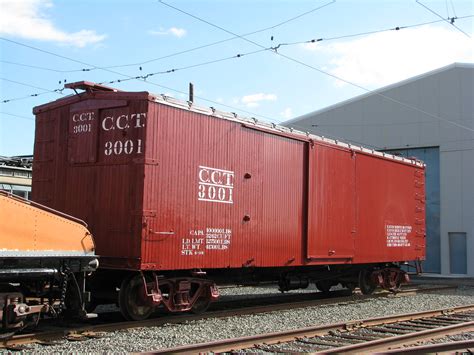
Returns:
point(350, 287)
point(91, 305)
point(73, 302)
point(366, 284)
point(324, 286)
point(201, 305)
point(133, 301)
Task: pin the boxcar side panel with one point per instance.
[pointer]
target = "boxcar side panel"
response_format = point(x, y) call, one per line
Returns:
point(181, 142)
point(389, 194)
point(225, 195)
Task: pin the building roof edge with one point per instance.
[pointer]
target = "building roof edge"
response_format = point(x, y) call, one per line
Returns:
point(380, 90)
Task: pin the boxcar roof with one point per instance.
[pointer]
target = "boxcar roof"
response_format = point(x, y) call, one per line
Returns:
point(93, 90)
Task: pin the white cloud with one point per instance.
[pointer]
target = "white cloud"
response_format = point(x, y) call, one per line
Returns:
point(173, 31)
point(388, 57)
point(255, 99)
point(26, 19)
point(287, 113)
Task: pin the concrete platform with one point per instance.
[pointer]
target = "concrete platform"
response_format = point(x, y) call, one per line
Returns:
point(443, 279)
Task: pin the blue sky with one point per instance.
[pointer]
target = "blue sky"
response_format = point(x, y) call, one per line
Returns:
point(264, 84)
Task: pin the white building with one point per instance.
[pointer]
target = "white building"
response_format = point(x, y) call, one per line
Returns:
point(15, 175)
point(399, 119)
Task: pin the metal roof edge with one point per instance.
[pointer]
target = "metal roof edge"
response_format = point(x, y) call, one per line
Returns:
point(84, 95)
point(380, 90)
point(210, 111)
point(13, 167)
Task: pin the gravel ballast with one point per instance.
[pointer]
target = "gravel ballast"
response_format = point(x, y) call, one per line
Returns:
point(169, 335)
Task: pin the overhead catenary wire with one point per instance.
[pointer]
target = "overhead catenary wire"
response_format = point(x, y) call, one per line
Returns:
point(320, 70)
point(18, 116)
point(313, 40)
point(227, 39)
point(236, 56)
point(174, 70)
point(151, 74)
point(44, 91)
point(452, 5)
point(334, 137)
point(92, 67)
point(205, 63)
point(130, 77)
point(240, 55)
point(28, 85)
point(396, 28)
point(42, 68)
point(449, 20)
point(176, 53)
point(218, 103)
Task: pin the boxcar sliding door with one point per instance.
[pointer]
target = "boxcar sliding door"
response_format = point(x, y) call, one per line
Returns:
point(331, 203)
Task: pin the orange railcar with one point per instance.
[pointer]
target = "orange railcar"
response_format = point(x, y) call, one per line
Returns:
point(44, 254)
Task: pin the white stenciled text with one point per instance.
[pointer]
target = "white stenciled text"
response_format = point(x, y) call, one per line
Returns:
point(82, 122)
point(123, 122)
point(397, 235)
point(134, 120)
point(215, 185)
point(123, 147)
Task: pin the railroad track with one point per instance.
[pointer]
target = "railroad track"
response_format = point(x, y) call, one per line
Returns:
point(76, 332)
point(362, 336)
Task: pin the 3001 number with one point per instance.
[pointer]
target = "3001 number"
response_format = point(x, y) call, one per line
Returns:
point(123, 147)
point(82, 128)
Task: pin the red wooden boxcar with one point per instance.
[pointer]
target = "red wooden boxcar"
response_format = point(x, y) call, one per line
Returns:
point(179, 196)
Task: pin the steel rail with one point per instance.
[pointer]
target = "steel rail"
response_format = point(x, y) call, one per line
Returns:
point(463, 345)
point(406, 339)
point(229, 345)
point(22, 339)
